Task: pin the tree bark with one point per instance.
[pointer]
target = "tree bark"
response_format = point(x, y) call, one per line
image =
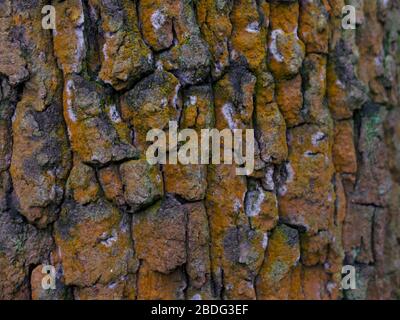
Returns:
point(77, 193)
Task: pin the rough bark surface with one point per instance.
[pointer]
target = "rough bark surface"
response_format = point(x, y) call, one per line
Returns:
point(76, 191)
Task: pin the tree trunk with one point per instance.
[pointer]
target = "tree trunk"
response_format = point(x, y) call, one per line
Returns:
point(77, 192)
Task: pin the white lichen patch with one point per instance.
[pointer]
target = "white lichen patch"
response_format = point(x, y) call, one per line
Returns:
point(150, 58)
point(114, 114)
point(14, 116)
point(157, 19)
point(193, 100)
point(159, 65)
point(317, 137)
point(218, 67)
point(253, 27)
point(227, 111)
point(269, 183)
point(264, 242)
point(109, 240)
point(234, 54)
point(282, 190)
point(340, 84)
point(112, 285)
point(273, 48)
point(70, 87)
point(236, 205)
point(254, 200)
point(164, 102)
point(108, 36)
point(289, 172)
point(295, 32)
point(176, 96)
point(80, 50)
point(330, 286)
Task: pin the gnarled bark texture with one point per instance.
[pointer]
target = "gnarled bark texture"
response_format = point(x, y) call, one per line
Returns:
point(76, 191)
